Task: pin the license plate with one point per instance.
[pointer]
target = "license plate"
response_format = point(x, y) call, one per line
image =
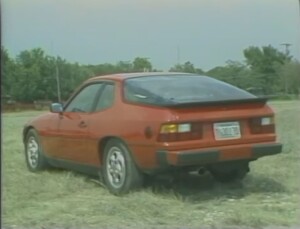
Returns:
point(227, 130)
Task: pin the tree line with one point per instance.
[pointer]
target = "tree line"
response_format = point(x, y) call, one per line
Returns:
point(31, 75)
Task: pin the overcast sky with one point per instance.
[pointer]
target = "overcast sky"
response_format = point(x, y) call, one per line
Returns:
point(205, 32)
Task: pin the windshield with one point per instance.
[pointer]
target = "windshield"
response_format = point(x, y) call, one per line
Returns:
point(178, 89)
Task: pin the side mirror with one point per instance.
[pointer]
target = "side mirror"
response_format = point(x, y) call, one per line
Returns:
point(56, 108)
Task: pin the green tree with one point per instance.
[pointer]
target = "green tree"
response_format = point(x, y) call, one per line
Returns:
point(7, 72)
point(71, 75)
point(187, 67)
point(236, 74)
point(265, 62)
point(102, 69)
point(35, 78)
point(290, 76)
point(124, 66)
point(141, 64)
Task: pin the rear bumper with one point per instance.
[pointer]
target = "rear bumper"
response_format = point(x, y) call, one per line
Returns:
point(209, 156)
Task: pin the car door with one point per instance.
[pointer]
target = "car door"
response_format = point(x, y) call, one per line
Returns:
point(74, 123)
point(101, 122)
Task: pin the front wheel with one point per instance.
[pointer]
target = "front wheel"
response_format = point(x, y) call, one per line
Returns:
point(120, 172)
point(34, 156)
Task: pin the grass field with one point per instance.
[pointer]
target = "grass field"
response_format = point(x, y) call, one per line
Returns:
point(269, 196)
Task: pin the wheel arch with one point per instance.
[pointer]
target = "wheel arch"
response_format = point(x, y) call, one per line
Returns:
point(26, 130)
point(103, 141)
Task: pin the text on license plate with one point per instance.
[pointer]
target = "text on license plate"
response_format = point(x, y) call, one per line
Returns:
point(227, 130)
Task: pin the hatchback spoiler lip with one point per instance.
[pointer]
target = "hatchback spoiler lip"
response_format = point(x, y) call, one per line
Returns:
point(260, 100)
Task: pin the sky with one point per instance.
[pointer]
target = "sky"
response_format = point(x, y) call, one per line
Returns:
point(205, 32)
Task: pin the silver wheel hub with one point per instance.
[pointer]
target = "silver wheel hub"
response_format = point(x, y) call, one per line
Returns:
point(115, 167)
point(32, 152)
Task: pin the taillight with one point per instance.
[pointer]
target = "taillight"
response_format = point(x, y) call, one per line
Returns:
point(262, 125)
point(180, 132)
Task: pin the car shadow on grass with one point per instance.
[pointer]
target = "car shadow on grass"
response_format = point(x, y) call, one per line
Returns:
point(195, 188)
point(192, 187)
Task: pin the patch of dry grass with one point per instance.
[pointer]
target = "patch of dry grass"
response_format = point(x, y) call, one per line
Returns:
point(56, 198)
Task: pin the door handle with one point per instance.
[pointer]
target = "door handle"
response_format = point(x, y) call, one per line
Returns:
point(82, 124)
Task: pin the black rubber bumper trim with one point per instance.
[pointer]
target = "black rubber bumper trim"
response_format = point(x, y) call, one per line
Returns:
point(266, 149)
point(209, 156)
point(189, 158)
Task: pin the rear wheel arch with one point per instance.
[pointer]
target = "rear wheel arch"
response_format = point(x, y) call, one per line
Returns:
point(102, 143)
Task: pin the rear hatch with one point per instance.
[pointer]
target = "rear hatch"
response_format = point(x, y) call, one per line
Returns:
point(220, 123)
point(206, 112)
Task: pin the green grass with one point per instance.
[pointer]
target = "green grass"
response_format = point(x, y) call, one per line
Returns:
point(269, 196)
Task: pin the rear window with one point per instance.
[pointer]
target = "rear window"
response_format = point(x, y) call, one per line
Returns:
point(180, 89)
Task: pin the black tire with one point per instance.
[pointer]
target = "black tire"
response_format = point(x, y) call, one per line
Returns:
point(229, 173)
point(34, 156)
point(120, 173)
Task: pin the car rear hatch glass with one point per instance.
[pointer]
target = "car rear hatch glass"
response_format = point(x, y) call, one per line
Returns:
point(182, 90)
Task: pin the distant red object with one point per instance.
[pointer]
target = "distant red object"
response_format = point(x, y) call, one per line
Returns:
point(128, 125)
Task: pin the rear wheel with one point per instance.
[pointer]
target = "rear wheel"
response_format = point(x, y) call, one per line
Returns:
point(120, 172)
point(34, 156)
point(230, 172)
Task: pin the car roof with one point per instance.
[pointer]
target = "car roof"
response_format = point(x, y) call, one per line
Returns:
point(123, 76)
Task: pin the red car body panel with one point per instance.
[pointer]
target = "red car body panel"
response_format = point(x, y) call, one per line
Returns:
point(78, 137)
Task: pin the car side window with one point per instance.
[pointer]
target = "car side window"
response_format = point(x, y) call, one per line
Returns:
point(84, 100)
point(107, 97)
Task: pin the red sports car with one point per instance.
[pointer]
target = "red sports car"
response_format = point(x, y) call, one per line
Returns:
point(124, 126)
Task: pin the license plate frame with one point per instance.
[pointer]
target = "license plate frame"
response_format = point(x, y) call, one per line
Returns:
point(227, 130)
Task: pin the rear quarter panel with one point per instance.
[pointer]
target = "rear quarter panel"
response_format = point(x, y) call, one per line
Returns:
point(129, 122)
